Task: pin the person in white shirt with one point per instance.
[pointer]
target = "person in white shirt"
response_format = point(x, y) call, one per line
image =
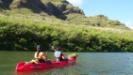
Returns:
point(58, 54)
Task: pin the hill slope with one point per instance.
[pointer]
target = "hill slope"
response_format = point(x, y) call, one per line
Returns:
point(56, 10)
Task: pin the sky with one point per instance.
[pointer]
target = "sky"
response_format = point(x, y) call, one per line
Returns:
point(121, 10)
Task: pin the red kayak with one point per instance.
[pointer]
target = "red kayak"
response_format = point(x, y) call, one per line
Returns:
point(29, 67)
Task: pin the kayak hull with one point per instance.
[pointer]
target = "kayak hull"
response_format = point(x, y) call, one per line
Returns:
point(29, 67)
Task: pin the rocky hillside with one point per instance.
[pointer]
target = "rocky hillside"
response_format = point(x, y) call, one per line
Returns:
point(57, 10)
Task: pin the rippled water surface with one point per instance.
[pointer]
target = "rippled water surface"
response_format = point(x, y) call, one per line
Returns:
point(87, 64)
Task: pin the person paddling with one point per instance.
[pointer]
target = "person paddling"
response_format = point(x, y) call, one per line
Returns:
point(39, 55)
point(58, 54)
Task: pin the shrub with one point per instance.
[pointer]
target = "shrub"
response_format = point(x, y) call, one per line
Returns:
point(21, 34)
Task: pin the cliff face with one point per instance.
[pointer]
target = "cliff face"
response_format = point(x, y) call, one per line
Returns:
point(5, 4)
point(50, 7)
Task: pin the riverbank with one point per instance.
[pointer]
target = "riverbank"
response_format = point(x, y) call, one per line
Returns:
point(21, 34)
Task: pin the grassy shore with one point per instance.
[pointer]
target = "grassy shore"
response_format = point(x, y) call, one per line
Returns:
point(18, 33)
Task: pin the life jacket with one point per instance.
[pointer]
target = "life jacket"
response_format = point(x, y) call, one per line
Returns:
point(61, 57)
point(40, 55)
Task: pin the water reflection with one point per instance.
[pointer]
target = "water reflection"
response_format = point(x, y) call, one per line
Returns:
point(69, 70)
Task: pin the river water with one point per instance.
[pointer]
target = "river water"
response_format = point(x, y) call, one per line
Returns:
point(87, 64)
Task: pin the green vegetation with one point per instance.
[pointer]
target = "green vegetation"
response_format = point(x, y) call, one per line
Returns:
point(25, 23)
point(19, 34)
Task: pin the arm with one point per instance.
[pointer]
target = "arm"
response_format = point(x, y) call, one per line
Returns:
point(35, 55)
point(62, 56)
point(37, 52)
